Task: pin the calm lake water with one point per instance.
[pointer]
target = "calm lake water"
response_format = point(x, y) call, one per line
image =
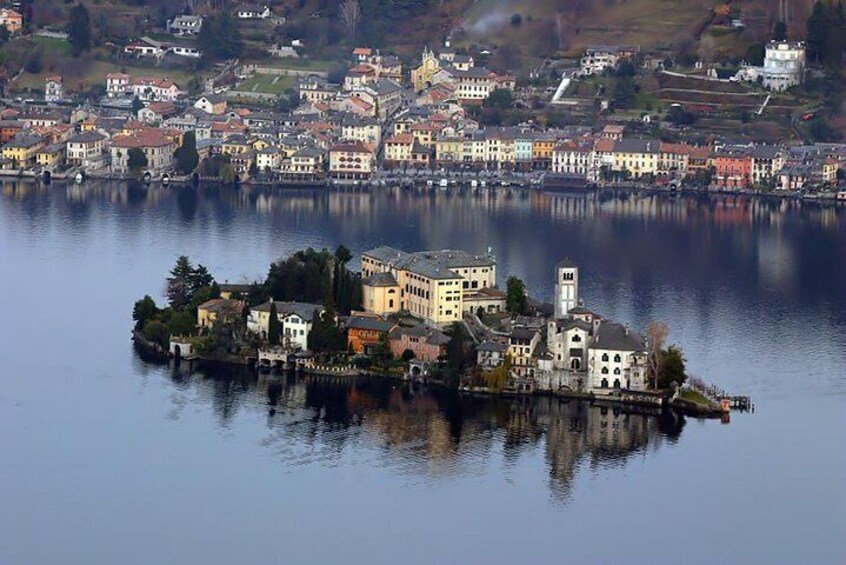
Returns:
point(107, 459)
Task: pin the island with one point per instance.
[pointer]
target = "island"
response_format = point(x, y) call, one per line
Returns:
point(435, 317)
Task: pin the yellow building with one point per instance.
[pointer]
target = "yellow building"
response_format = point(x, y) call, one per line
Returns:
point(432, 284)
point(20, 152)
point(398, 148)
point(638, 156)
point(542, 149)
point(219, 309)
point(382, 294)
point(422, 76)
point(51, 156)
point(449, 150)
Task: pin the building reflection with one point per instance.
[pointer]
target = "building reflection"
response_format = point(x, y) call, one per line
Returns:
point(426, 433)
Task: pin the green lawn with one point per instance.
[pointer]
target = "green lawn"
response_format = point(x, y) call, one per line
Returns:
point(292, 63)
point(271, 84)
point(695, 397)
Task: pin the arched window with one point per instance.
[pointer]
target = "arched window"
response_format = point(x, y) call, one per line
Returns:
point(617, 358)
point(604, 383)
point(617, 371)
point(577, 338)
point(391, 305)
point(604, 370)
point(605, 357)
point(616, 383)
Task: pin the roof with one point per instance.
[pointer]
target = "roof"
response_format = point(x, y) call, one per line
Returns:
point(630, 145)
point(523, 334)
point(431, 335)
point(147, 138)
point(24, 141)
point(222, 305)
point(369, 323)
point(566, 324)
point(351, 148)
point(566, 264)
point(304, 310)
point(87, 137)
point(617, 337)
point(380, 279)
point(492, 347)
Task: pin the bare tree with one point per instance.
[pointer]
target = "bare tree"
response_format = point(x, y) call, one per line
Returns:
point(351, 14)
point(656, 335)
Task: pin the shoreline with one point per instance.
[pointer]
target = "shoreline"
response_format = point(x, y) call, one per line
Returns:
point(433, 181)
point(654, 401)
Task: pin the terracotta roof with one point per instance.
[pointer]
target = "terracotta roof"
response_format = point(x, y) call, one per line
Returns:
point(362, 51)
point(401, 138)
point(146, 138)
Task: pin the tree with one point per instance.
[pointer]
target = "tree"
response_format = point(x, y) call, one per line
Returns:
point(780, 31)
point(4, 34)
point(817, 32)
point(79, 29)
point(500, 98)
point(516, 301)
point(656, 335)
point(144, 311)
point(137, 106)
point(516, 19)
point(137, 160)
point(673, 367)
point(220, 38)
point(497, 379)
point(274, 329)
point(624, 92)
point(157, 332)
point(456, 353)
point(179, 291)
point(181, 323)
point(351, 16)
point(186, 155)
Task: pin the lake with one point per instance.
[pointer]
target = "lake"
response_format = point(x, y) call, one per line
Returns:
point(107, 458)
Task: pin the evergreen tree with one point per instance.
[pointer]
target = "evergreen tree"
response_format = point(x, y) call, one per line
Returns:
point(516, 301)
point(137, 106)
point(144, 311)
point(780, 31)
point(672, 368)
point(79, 30)
point(186, 155)
point(274, 329)
point(137, 160)
point(817, 33)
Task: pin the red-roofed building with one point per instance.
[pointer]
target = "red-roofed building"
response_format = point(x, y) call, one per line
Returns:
point(157, 147)
point(351, 161)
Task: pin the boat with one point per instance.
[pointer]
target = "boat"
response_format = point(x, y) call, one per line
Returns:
point(841, 196)
point(474, 183)
point(79, 178)
point(444, 183)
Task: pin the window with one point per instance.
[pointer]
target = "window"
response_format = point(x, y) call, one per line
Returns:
point(604, 370)
point(617, 371)
point(577, 338)
point(616, 358)
point(605, 357)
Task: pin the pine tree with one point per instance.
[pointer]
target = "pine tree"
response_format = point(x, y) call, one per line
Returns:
point(79, 30)
point(274, 329)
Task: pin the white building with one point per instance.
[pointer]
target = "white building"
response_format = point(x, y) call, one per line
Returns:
point(53, 90)
point(566, 288)
point(253, 12)
point(784, 64)
point(294, 319)
point(616, 358)
point(185, 25)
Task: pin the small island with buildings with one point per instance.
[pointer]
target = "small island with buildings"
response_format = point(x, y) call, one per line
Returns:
point(435, 317)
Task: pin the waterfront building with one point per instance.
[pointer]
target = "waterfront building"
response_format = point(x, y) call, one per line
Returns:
point(522, 346)
point(567, 341)
point(637, 156)
point(732, 167)
point(157, 148)
point(616, 358)
point(428, 344)
point(295, 319)
point(19, 153)
point(365, 332)
point(351, 161)
point(87, 149)
point(491, 354)
point(219, 309)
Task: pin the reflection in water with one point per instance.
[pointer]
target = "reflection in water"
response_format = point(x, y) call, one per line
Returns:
point(426, 432)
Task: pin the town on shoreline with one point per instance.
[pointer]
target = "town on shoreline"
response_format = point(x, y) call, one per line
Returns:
point(436, 317)
point(439, 118)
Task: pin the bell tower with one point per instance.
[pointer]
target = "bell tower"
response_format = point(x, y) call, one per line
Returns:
point(566, 287)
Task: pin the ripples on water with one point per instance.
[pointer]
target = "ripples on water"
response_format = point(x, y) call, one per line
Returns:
point(753, 290)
